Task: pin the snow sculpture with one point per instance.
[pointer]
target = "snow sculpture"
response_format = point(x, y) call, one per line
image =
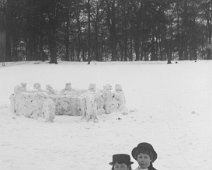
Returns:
point(119, 99)
point(100, 102)
point(67, 88)
point(12, 103)
point(35, 105)
point(16, 96)
point(67, 104)
point(29, 103)
point(20, 88)
point(108, 98)
point(48, 110)
point(82, 105)
point(68, 101)
point(92, 87)
point(89, 104)
point(37, 87)
point(50, 90)
point(48, 103)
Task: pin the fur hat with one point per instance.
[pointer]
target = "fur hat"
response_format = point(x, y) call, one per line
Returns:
point(121, 158)
point(144, 147)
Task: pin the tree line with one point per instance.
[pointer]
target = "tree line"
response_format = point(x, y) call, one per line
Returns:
point(105, 30)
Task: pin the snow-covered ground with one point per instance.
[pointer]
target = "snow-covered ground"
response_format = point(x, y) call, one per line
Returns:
point(170, 106)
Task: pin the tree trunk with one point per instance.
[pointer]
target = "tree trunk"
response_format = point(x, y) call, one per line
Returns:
point(2, 36)
point(125, 31)
point(209, 27)
point(67, 36)
point(153, 50)
point(137, 48)
point(97, 57)
point(96, 28)
point(89, 33)
point(2, 45)
point(52, 41)
point(131, 49)
point(185, 25)
point(111, 20)
point(137, 36)
point(113, 46)
point(78, 44)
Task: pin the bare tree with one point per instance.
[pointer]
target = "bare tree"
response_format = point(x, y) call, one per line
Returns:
point(2, 31)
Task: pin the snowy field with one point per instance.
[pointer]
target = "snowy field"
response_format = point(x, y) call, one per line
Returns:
point(170, 106)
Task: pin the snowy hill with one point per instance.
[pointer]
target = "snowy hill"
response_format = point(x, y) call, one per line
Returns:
point(170, 107)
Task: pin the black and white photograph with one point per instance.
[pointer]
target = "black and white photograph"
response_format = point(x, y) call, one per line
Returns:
point(105, 84)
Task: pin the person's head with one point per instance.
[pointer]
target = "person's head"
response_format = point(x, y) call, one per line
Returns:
point(121, 162)
point(144, 154)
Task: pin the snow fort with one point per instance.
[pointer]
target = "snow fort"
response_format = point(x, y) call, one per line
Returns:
point(48, 102)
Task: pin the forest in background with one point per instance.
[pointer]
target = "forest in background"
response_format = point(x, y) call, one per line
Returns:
point(105, 30)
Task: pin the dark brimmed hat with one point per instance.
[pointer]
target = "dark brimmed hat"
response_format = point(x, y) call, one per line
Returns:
point(142, 147)
point(121, 158)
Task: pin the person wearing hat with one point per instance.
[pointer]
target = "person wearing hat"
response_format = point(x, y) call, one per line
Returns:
point(145, 155)
point(121, 162)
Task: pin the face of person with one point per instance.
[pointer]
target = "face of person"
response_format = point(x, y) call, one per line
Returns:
point(120, 166)
point(143, 160)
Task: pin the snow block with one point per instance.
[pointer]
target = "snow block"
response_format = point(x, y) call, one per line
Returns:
point(29, 104)
point(68, 104)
